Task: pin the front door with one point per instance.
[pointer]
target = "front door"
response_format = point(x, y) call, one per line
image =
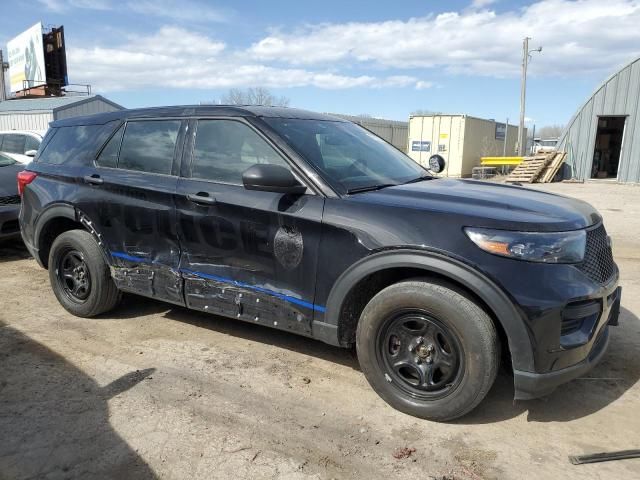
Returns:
point(245, 254)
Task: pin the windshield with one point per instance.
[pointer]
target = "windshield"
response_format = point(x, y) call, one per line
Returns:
point(6, 161)
point(349, 157)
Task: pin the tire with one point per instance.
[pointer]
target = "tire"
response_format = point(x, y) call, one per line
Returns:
point(427, 349)
point(79, 275)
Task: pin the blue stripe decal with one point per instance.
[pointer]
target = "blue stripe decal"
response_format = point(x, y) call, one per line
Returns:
point(286, 298)
point(131, 258)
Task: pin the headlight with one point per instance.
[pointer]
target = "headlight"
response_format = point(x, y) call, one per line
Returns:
point(552, 247)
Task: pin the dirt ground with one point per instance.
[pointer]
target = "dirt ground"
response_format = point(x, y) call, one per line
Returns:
point(156, 391)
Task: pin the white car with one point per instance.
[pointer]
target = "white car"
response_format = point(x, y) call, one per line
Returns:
point(21, 145)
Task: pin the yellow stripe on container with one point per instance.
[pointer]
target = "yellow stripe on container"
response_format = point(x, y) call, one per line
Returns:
point(497, 161)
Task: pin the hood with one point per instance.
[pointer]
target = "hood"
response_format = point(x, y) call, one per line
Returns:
point(8, 180)
point(491, 205)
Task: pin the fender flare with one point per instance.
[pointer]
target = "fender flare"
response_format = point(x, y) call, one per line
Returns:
point(494, 297)
point(50, 213)
point(64, 210)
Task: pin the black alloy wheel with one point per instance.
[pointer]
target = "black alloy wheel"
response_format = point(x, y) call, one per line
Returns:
point(74, 276)
point(421, 355)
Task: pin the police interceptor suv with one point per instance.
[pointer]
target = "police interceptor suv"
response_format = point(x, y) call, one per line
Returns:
point(312, 224)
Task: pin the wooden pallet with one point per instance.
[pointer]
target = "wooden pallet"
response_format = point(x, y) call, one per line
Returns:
point(529, 170)
point(549, 172)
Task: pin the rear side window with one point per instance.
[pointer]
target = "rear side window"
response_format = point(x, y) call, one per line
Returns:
point(224, 149)
point(109, 155)
point(31, 143)
point(73, 145)
point(149, 146)
point(13, 143)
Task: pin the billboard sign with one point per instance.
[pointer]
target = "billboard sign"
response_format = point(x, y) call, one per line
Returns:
point(501, 131)
point(26, 59)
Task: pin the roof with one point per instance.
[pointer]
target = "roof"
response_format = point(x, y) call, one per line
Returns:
point(49, 103)
point(190, 110)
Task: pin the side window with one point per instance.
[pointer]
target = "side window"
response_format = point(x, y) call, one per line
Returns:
point(13, 143)
point(148, 146)
point(31, 143)
point(1, 139)
point(224, 149)
point(70, 145)
point(109, 155)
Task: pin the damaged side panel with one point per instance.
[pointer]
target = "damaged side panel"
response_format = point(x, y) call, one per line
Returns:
point(232, 299)
point(149, 280)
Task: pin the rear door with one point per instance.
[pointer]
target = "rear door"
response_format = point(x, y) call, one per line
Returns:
point(245, 254)
point(130, 200)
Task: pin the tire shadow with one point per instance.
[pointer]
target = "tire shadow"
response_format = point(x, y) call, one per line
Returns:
point(618, 371)
point(12, 250)
point(54, 420)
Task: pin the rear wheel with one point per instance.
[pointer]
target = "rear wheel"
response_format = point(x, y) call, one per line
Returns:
point(79, 275)
point(427, 349)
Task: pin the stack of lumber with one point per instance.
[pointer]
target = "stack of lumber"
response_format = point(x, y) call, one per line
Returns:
point(549, 172)
point(539, 168)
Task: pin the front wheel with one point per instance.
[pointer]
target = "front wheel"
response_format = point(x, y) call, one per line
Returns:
point(427, 349)
point(79, 275)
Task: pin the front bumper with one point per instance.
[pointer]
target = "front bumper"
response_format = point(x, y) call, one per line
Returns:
point(529, 385)
point(9, 227)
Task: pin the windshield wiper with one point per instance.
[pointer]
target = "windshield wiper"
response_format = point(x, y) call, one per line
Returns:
point(419, 179)
point(370, 188)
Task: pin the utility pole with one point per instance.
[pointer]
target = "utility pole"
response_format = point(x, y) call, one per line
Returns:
point(523, 92)
point(3, 66)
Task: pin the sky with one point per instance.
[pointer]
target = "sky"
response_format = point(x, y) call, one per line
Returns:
point(384, 59)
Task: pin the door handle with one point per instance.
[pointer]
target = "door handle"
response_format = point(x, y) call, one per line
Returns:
point(201, 198)
point(93, 179)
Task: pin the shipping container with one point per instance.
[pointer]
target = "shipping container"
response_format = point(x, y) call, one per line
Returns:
point(460, 139)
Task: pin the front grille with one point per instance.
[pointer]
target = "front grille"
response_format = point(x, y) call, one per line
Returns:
point(12, 200)
point(598, 262)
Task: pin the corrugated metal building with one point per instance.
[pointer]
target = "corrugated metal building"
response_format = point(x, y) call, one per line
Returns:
point(36, 113)
point(393, 131)
point(602, 140)
point(460, 139)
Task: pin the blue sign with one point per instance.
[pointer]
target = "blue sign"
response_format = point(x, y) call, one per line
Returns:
point(420, 146)
point(501, 131)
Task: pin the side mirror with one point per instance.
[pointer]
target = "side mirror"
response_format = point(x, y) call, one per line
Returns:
point(271, 178)
point(31, 153)
point(436, 163)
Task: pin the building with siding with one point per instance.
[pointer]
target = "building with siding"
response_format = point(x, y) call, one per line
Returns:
point(36, 113)
point(602, 140)
point(393, 131)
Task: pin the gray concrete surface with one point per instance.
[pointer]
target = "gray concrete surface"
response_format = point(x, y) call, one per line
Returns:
point(155, 391)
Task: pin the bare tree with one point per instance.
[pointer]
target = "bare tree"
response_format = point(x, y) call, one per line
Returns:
point(550, 131)
point(254, 96)
point(422, 111)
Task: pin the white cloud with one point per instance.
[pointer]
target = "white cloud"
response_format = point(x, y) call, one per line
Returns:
point(64, 5)
point(581, 36)
point(482, 3)
point(178, 58)
point(422, 85)
point(178, 11)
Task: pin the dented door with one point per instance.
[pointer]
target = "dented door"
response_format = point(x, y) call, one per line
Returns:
point(246, 254)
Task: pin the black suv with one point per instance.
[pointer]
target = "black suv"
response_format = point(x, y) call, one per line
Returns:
point(312, 224)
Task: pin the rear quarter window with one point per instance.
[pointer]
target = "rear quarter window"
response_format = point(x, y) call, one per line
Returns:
point(13, 143)
point(75, 145)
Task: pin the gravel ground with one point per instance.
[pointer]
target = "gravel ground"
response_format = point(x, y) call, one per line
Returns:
point(155, 391)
